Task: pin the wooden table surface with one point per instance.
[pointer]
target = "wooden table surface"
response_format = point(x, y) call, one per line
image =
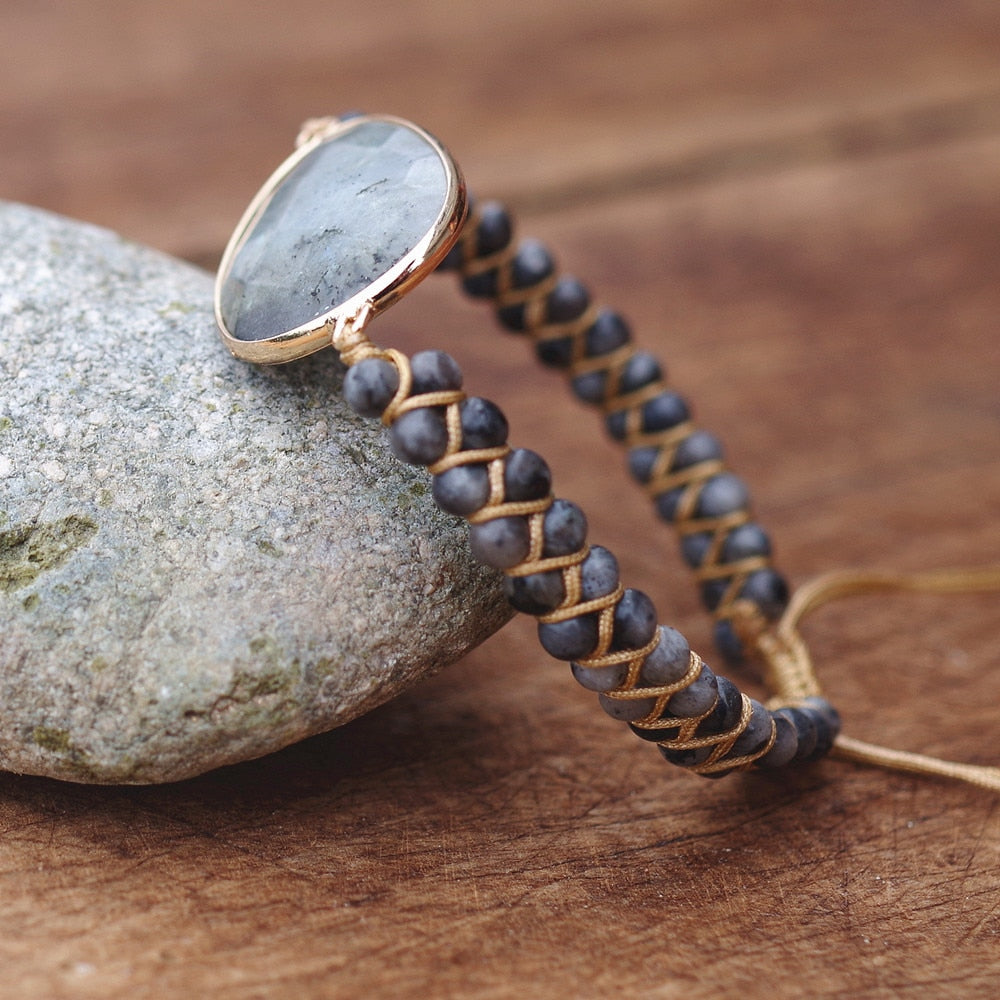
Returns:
point(797, 203)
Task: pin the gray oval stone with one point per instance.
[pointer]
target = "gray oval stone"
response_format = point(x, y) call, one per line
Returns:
point(200, 561)
point(349, 211)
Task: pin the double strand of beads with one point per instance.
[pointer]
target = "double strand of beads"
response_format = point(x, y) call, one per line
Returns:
point(645, 674)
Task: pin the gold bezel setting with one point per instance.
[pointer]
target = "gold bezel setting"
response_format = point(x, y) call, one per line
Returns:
point(389, 287)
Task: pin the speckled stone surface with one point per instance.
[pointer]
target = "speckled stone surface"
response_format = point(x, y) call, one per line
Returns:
point(348, 212)
point(200, 561)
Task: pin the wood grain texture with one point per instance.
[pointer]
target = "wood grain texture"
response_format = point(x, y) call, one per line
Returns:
point(796, 204)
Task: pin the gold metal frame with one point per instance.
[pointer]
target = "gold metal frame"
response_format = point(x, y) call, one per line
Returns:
point(429, 251)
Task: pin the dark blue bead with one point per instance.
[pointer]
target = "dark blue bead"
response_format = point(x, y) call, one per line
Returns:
point(573, 639)
point(757, 733)
point(745, 541)
point(501, 543)
point(635, 620)
point(826, 720)
point(598, 574)
point(556, 352)
point(526, 475)
point(615, 423)
point(697, 698)
point(567, 301)
point(694, 548)
point(564, 530)
point(531, 264)
point(370, 385)
point(712, 592)
point(512, 317)
point(419, 436)
point(805, 730)
point(663, 412)
point(433, 371)
point(640, 370)
point(727, 711)
point(668, 502)
point(589, 388)
point(607, 333)
point(535, 594)
point(768, 590)
point(722, 494)
point(641, 461)
point(669, 662)
point(627, 709)
point(785, 743)
point(698, 446)
point(600, 679)
point(483, 424)
point(462, 490)
point(495, 229)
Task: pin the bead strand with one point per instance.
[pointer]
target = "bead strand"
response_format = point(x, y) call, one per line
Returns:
point(645, 674)
point(680, 466)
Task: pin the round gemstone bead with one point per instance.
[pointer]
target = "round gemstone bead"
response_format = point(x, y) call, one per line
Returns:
point(600, 678)
point(757, 733)
point(640, 369)
point(598, 573)
point(727, 711)
point(699, 446)
point(536, 593)
point(526, 475)
point(668, 662)
point(573, 639)
point(567, 301)
point(635, 620)
point(785, 743)
point(462, 490)
point(607, 333)
point(722, 494)
point(370, 385)
point(641, 461)
point(627, 709)
point(745, 541)
point(483, 424)
point(495, 229)
point(768, 590)
point(664, 411)
point(501, 543)
point(419, 436)
point(433, 371)
point(590, 387)
point(564, 530)
point(697, 698)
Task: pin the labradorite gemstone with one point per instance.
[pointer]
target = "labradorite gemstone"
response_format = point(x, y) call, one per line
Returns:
point(344, 216)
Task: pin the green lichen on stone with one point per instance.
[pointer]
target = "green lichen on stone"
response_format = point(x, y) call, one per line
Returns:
point(30, 602)
point(176, 306)
point(106, 499)
point(5, 424)
point(99, 663)
point(50, 738)
point(29, 550)
point(269, 549)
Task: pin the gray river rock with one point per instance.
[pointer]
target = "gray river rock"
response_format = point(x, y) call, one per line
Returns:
point(200, 561)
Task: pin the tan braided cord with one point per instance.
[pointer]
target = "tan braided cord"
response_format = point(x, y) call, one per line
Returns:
point(792, 676)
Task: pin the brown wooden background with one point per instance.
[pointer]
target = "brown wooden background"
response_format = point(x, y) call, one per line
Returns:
point(798, 204)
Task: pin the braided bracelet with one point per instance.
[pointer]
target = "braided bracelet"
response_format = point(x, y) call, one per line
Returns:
point(367, 207)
